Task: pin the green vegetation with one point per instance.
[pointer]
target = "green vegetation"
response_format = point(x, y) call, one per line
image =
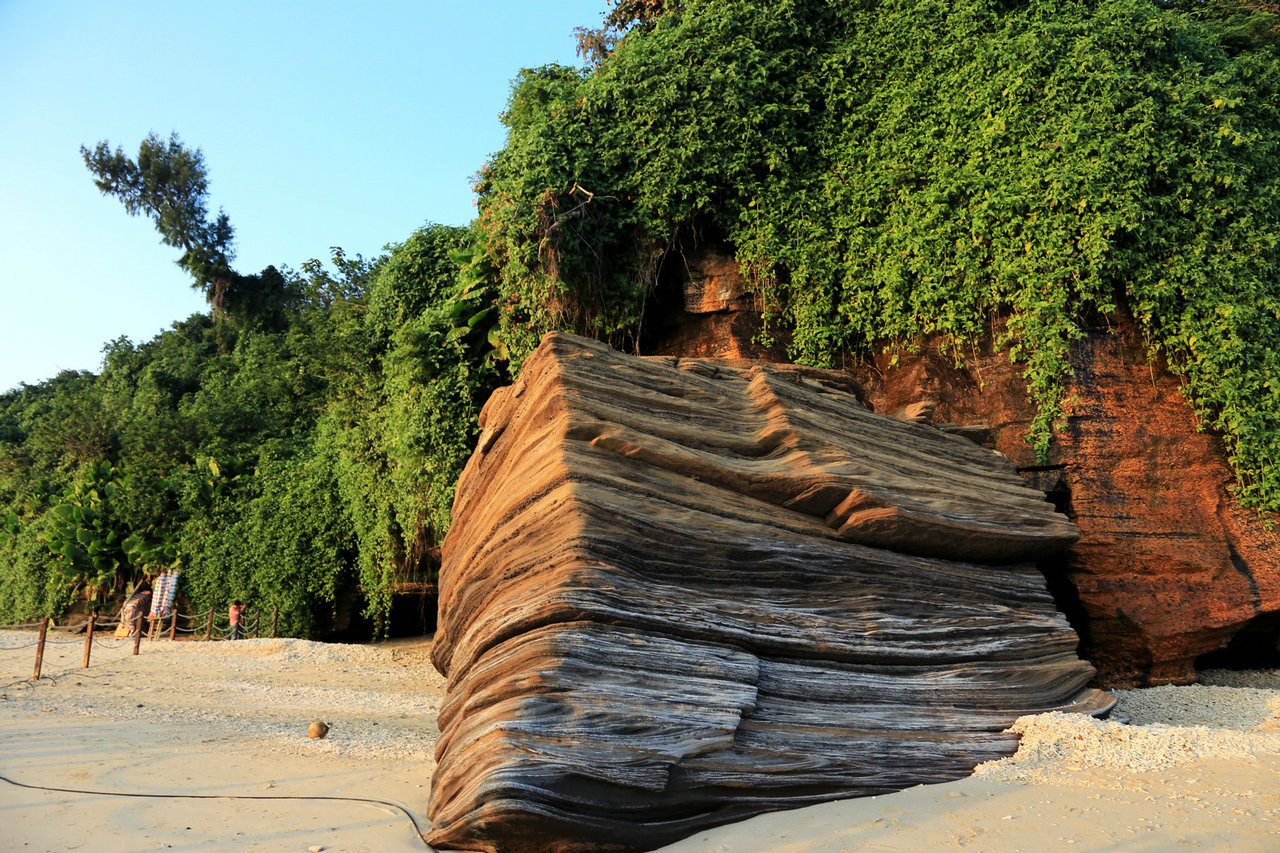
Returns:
point(889, 173)
point(897, 170)
point(297, 456)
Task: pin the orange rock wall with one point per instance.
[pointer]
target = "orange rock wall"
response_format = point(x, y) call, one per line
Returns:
point(704, 308)
point(1168, 566)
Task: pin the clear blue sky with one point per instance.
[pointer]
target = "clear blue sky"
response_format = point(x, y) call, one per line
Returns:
point(322, 124)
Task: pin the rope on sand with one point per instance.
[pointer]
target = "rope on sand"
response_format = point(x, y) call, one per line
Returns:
point(365, 800)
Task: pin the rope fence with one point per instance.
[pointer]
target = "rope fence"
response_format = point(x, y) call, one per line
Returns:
point(103, 635)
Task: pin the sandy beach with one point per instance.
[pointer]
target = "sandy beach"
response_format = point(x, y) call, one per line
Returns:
point(1195, 768)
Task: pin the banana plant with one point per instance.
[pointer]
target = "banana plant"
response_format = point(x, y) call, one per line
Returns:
point(85, 538)
point(471, 305)
point(151, 551)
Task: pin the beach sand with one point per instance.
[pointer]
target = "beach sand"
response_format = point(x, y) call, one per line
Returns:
point(1198, 768)
point(223, 718)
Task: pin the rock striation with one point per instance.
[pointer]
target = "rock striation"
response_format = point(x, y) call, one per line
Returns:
point(679, 592)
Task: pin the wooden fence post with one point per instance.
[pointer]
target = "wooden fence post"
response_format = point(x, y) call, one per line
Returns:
point(44, 631)
point(137, 632)
point(275, 613)
point(208, 629)
point(173, 626)
point(88, 640)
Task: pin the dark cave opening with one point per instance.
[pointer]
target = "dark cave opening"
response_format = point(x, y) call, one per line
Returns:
point(1056, 568)
point(1255, 646)
point(413, 614)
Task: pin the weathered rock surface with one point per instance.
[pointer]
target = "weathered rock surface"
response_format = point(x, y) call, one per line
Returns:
point(668, 601)
point(705, 308)
point(1168, 567)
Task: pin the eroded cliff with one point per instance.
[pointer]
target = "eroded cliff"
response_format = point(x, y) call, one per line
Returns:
point(1168, 568)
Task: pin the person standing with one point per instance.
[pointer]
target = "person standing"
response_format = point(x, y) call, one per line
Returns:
point(234, 614)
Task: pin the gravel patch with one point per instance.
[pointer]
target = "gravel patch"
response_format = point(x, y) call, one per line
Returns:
point(1234, 716)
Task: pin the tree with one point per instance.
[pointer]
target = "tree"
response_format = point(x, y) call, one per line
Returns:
point(626, 15)
point(168, 183)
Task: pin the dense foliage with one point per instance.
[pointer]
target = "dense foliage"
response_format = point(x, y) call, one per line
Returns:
point(888, 172)
point(299, 463)
point(894, 170)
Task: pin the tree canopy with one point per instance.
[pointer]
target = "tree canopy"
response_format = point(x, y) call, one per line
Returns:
point(300, 464)
point(169, 184)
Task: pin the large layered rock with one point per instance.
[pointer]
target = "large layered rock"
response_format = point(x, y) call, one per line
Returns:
point(680, 592)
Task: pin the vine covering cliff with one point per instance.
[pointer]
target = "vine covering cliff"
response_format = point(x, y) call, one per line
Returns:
point(893, 170)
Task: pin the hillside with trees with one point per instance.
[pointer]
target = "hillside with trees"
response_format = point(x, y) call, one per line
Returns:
point(885, 172)
point(296, 447)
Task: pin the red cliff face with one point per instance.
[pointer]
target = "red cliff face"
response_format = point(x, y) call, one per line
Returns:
point(1168, 567)
point(707, 310)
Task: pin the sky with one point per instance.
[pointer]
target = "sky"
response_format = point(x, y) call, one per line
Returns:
point(322, 124)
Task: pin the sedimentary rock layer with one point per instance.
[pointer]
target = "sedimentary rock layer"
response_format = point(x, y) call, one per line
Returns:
point(680, 592)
